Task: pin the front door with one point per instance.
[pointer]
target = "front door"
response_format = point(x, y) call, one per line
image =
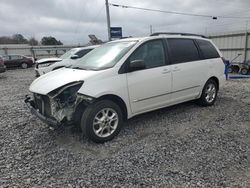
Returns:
point(150, 88)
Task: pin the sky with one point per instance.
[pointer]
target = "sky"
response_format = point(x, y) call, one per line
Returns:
point(71, 21)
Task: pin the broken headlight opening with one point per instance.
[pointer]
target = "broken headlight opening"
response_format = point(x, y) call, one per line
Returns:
point(64, 101)
point(67, 91)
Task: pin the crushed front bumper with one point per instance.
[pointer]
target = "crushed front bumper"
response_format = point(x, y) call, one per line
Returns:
point(52, 122)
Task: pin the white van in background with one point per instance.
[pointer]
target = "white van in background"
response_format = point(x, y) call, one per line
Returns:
point(46, 65)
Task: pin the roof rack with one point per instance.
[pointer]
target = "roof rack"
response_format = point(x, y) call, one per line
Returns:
point(183, 34)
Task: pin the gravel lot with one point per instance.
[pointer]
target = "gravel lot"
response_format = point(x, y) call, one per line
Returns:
point(181, 146)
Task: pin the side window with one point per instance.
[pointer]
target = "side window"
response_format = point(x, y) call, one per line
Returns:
point(151, 52)
point(82, 53)
point(12, 57)
point(207, 49)
point(15, 57)
point(183, 50)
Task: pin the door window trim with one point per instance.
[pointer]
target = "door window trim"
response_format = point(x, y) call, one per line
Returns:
point(125, 66)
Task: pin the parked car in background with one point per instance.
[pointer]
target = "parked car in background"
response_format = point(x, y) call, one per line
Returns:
point(127, 77)
point(2, 66)
point(17, 61)
point(43, 65)
point(45, 62)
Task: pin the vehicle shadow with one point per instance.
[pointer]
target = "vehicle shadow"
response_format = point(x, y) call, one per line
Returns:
point(18, 68)
point(133, 130)
point(3, 76)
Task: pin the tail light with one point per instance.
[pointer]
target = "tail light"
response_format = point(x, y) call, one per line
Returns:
point(1, 62)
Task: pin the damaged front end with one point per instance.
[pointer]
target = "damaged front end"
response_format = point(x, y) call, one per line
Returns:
point(59, 106)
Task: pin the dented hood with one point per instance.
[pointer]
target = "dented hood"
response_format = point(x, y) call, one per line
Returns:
point(55, 79)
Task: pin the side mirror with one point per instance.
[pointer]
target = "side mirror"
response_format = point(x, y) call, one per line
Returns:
point(136, 65)
point(74, 57)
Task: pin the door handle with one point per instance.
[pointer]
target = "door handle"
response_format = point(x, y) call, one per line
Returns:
point(165, 71)
point(175, 69)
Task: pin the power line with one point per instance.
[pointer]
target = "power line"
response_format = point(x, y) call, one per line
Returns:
point(94, 19)
point(80, 17)
point(175, 12)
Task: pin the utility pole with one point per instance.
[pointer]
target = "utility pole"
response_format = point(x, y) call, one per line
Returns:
point(108, 19)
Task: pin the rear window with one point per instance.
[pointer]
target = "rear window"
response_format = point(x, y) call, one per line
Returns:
point(207, 49)
point(183, 50)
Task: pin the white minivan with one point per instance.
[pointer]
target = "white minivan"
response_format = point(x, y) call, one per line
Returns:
point(127, 77)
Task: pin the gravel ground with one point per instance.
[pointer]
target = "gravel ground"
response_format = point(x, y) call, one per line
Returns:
point(180, 146)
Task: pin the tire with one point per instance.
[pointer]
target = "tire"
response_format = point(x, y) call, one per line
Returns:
point(24, 65)
point(97, 124)
point(230, 70)
point(209, 93)
point(244, 71)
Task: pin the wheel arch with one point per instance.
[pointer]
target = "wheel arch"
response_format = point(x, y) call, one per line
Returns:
point(119, 101)
point(24, 62)
point(216, 80)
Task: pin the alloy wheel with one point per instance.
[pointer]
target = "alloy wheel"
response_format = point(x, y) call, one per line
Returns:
point(210, 93)
point(105, 122)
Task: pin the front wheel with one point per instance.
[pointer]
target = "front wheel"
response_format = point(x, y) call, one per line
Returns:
point(101, 121)
point(209, 93)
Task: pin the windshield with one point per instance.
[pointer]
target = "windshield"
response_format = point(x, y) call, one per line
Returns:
point(68, 54)
point(105, 56)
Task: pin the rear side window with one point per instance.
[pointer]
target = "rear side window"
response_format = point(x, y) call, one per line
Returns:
point(207, 49)
point(183, 50)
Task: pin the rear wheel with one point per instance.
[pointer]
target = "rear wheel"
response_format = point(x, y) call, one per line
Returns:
point(24, 65)
point(101, 121)
point(209, 93)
